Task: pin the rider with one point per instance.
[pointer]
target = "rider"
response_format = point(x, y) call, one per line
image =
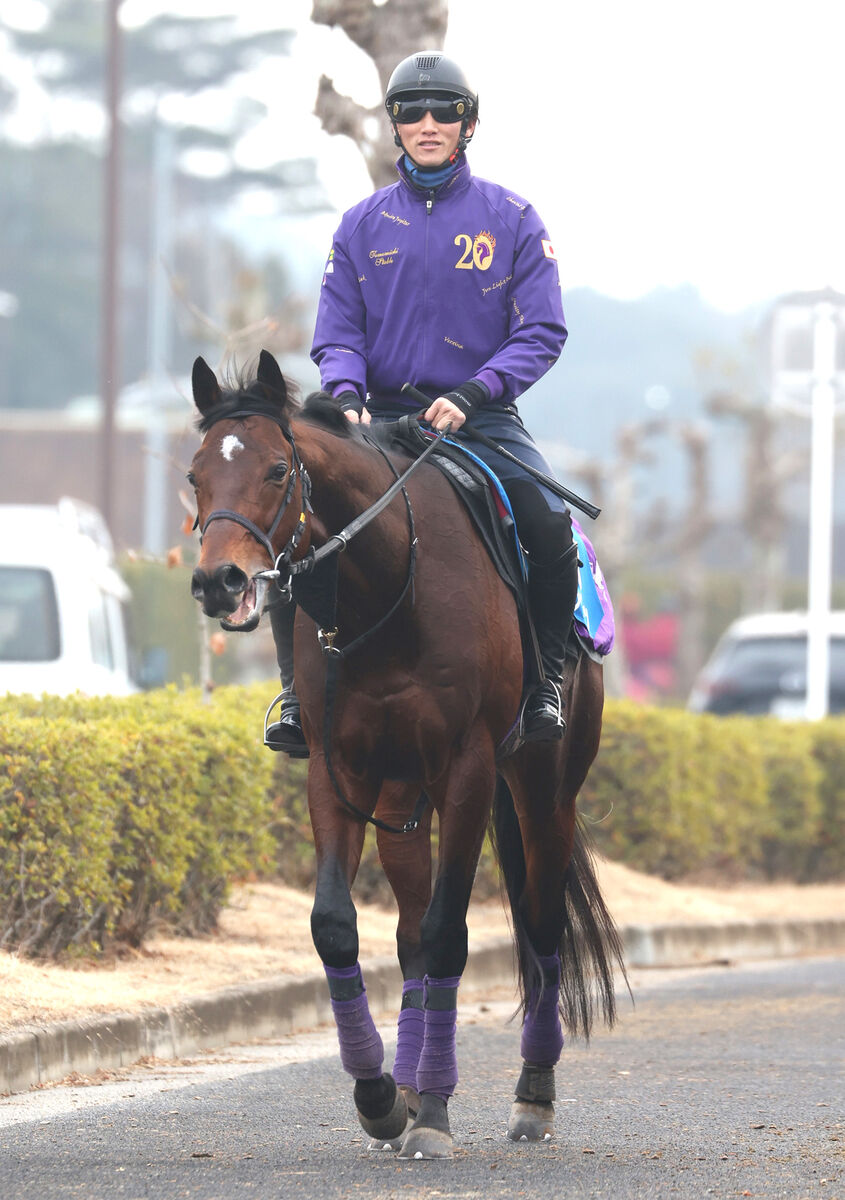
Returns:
point(449, 282)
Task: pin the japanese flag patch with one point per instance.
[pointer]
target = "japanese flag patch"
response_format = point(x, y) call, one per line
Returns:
point(548, 249)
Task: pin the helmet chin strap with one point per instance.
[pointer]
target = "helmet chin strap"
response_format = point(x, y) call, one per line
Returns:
point(463, 140)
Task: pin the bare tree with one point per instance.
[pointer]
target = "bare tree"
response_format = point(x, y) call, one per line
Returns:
point(696, 527)
point(630, 539)
point(610, 483)
point(388, 33)
point(770, 464)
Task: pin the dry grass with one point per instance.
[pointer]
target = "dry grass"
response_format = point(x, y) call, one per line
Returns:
point(265, 931)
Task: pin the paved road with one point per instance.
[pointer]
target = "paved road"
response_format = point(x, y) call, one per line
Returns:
point(720, 1082)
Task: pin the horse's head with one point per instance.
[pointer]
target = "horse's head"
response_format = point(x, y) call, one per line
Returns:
point(248, 483)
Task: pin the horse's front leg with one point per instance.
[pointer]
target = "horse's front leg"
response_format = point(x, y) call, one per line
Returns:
point(406, 859)
point(464, 805)
point(338, 841)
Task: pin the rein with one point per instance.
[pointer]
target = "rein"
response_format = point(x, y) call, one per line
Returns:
point(339, 541)
point(335, 654)
point(305, 566)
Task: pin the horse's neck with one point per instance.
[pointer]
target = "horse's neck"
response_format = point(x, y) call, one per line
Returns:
point(348, 476)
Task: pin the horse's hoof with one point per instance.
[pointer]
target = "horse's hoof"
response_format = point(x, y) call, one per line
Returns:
point(426, 1143)
point(393, 1144)
point(389, 1127)
point(429, 1136)
point(412, 1100)
point(531, 1121)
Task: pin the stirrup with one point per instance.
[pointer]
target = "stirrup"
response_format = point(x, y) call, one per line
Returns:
point(547, 723)
point(296, 747)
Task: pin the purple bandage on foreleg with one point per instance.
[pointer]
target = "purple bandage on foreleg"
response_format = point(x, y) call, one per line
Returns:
point(411, 1033)
point(361, 1049)
point(437, 1073)
point(542, 1036)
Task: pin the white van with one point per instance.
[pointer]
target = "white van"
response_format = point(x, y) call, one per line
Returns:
point(62, 603)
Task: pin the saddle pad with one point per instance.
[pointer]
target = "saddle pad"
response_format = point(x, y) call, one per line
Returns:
point(593, 615)
point(594, 618)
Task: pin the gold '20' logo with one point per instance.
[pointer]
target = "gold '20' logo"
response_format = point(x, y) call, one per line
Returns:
point(477, 251)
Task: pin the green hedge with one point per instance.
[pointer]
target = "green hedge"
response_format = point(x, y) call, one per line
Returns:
point(671, 793)
point(675, 793)
point(118, 815)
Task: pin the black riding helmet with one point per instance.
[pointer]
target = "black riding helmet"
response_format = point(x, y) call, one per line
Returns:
point(424, 81)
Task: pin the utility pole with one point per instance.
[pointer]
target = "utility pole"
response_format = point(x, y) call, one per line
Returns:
point(814, 319)
point(110, 289)
point(822, 443)
point(158, 344)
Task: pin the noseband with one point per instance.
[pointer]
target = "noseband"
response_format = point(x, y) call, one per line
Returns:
point(297, 468)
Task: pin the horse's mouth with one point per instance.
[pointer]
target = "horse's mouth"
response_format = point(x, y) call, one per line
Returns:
point(248, 613)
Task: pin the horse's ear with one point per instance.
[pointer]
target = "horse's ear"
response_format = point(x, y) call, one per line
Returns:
point(205, 387)
point(270, 374)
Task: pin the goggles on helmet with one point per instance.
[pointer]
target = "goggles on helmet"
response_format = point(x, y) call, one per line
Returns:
point(446, 110)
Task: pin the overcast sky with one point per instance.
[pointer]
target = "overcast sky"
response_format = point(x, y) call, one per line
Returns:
point(663, 141)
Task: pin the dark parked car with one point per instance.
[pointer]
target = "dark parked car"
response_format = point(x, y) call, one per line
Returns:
point(760, 666)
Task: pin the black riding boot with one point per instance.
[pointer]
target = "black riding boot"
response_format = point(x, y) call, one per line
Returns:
point(552, 593)
point(286, 733)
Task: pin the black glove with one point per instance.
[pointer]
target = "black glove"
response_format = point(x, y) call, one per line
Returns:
point(469, 397)
point(349, 402)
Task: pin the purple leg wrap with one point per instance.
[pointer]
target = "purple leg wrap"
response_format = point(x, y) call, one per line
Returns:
point(361, 1049)
point(542, 1037)
point(411, 1034)
point(437, 1073)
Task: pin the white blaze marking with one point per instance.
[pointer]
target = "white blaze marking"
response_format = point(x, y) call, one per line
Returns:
point(230, 446)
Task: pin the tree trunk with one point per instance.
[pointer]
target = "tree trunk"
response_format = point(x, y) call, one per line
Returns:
point(387, 33)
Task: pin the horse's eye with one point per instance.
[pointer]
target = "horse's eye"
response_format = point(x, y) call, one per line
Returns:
point(192, 479)
point(278, 472)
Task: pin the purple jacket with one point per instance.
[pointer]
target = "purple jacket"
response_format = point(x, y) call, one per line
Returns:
point(438, 288)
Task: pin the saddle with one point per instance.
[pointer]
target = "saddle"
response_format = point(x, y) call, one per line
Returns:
point(484, 498)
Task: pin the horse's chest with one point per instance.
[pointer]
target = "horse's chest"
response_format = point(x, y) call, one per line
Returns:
point(400, 736)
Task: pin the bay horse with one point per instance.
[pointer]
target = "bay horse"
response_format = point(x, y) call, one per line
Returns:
point(415, 713)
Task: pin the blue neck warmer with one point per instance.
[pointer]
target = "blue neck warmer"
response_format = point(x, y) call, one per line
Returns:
point(429, 179)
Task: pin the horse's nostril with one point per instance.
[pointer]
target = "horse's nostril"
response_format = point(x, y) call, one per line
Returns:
point(198, 582)
point(233, 579)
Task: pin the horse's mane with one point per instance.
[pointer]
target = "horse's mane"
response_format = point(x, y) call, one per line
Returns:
point(322, 409)
point(242, 390)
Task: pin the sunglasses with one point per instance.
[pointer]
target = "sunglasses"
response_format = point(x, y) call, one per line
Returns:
point(445, 110)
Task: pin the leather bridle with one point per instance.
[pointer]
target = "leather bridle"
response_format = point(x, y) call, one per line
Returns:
point(297, 470)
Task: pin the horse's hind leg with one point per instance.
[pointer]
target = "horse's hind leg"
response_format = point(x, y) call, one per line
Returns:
point(338, 841)
point(533, 839)
point(535, 835)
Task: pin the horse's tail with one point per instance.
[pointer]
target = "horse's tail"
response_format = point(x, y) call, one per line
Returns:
point(590, 944)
